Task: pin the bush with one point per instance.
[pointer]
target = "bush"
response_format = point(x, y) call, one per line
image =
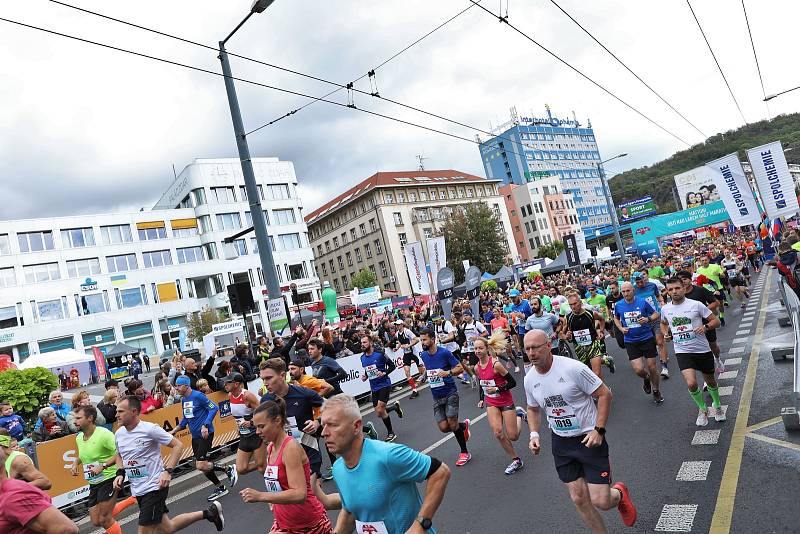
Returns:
point(27, 390)
point(489, 285)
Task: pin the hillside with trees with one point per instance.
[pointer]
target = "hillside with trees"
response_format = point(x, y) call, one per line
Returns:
point(657, 180)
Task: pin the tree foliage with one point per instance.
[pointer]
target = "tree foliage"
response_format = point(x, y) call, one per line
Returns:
point(27, 389)
point(474, 233)
point(551, 250)
point(658, 180)
point(200, 323)
point(488, 285)
point(364, 278)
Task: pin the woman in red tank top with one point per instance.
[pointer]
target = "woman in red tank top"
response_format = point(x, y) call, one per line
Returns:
point(495, 392)
point(286, 477)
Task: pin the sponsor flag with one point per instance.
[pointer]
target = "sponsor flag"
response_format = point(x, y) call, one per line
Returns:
point(437, 256)
point(774, 182)
point(415, 263)
point(472, 283)
point(734, 190)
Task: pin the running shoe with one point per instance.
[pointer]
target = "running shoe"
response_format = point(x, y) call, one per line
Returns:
point(465, 381)
point(369, 430)
point(608, 361)
point(719, 414)
point(414, 394)
point(390, 438)
point(514, 466)
point(664, 371)
point(463, 458)
point(218, 492)
point(397, 409)
point(522, 413)
point(466, 429)
point(626, 508)
point(327, 474)
point(657, 397)
point(215, 516)
point(233, 475)
point(702, 418)
point(647, 387)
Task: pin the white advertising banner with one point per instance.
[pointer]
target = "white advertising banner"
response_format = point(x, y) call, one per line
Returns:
point(734, 189)
point(437, 257)
point(415, 263)
point(354, 386)
point(365, 296)
point(774, 182)
point(695, 188)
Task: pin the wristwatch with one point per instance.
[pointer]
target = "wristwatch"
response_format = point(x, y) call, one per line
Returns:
point(169, 470)
point(600, 430)
point(425, 522)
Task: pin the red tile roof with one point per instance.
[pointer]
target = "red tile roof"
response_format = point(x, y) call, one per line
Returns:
point(394, 179)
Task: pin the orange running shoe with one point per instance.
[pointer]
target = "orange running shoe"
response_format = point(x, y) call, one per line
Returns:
point(626, 508)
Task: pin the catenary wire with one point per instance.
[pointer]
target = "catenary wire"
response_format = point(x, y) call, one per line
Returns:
point(715, 60)
point(758, 68)
point(612, 54)
point(579, 72)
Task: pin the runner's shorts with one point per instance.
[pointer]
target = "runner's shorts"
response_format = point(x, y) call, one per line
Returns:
point(408, 358)
point(641, 349)
point(152, 507)
point(737, 281)
point(381, 395)
point(703, 362)
point(250, 442)
point(586, 353)
point(445, 408)
point(100, 492)
point(575, 460)
point(201, 446)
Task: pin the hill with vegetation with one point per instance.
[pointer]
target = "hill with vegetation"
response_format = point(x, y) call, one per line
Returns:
point(658, 180)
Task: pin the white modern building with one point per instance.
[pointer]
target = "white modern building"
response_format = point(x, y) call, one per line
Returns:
point(94, 280)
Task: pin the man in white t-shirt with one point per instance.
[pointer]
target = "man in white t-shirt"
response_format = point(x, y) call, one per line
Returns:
point(471, 329)
point(139, 447)
point(564, 388)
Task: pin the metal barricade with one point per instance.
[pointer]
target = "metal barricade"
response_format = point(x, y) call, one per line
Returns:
point(791, 415)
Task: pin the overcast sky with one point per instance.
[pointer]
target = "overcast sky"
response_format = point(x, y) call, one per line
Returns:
point(87, 130)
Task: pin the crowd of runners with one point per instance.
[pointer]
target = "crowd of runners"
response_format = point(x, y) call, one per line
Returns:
point(664, 313)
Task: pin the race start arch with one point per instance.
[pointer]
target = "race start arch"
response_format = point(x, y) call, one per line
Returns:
point(646, 232)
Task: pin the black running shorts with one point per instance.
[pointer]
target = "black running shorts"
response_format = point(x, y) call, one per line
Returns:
point(409, 358)
point(575, 460)
point(641, 349)
point(382, 395)
point(703, 362)
point(100, 492)
point(152, 507)
point(201, 446)
point(249, 443)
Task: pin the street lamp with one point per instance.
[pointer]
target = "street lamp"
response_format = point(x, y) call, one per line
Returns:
point(610, 205)
point(259, 224)
point(770, 97)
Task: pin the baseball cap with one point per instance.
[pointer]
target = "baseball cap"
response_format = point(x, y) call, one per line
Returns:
point(183, 380)
point(637, 276)
point(234, 377)
point(513, 292)
point(399, 321)
point(468, 312)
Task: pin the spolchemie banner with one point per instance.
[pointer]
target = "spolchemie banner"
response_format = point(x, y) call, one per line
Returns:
point(734, 189)
point(636, 209)
point(646, 232)
point(696, 188)
point(417, 273)
point(774, 182)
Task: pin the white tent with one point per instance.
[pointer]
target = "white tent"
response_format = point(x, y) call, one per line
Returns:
point(58, 358)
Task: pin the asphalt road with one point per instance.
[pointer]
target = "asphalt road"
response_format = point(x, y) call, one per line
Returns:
point(681, 480)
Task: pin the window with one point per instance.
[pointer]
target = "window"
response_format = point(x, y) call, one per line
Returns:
point(9, 318)
point(205, 224)
point(403, 240)
point(77, 237)
point(341, 263)
point(327, 246)
point(35, 241)
point(378, 249)
point(228, 221)
point(248, 219)
point(50, 310)
point(156, 258)
point(148, 234)
point(412, 196)
point(349, 259)
point(335, 242)
point(243, 192)
point(5, 245)
point(289, 241)
point(336, 285)
point(296, 271)
point(423, 195)
point(367, 250)
point(353, 235)
point(401, 197)
point(240, 246)
point(388, 198)
point(324, 269)
point(123, 262)
point(119, 233)
point(344, 282)
point(85, 267)
point(333, 267)
point(372, 226)
point(284, 216)
point(92, 303)
point(223, 195)
point(358, 255)
point(398, 218)
point(382, 266)
point(210, 250)
point(530, 241)
point(189, 254)
point(7, 277)
point(363, 229)
point(131, 298)
point(184, 232)
point(199, 196)
point(41, 272)
point(442, 194)
point(344, 238)
point(428, 233)
point(277, 191)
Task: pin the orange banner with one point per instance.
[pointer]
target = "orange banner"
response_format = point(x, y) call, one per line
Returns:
point(55, 457)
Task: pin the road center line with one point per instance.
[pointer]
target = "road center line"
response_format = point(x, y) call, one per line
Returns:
point(450, 435)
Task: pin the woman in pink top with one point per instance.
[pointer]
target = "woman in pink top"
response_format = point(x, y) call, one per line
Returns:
point(496, 383)
point(287, 477)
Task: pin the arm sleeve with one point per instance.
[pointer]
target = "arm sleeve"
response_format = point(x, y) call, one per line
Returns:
point(510, 383)
point(406, 464)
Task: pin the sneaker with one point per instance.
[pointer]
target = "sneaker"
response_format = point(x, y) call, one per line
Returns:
point(609, 362)
point(327, 474)
point(463, 458)
point(466, 429)
point(664, 371)
point(465, 381)
point(516, 369)
point(369, 430)
point(702, 418)
point(657, 397)
point(221, 491)
point(215, 515)
point(233, 475)
point(514, 466)
point(522, 413)
point(719, 414)
point(626, 508)
point(414, 394)
point(390, 438)
point(397, 409)
point(646, 387)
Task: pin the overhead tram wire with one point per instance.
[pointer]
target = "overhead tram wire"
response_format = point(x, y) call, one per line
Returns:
point(715, 61)
point(581, 73)
point(612, 54)
point(758, 68)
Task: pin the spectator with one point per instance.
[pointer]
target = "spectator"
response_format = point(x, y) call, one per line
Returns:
point(788, 266)
point(241, 363)
point(283, 348)
point(135, 367)
point(63, 379)
point(146, 360)
point(108, 407)
point(11, 421)
point(57, 404)
point(136, 388)
point(51, 426)
point(262, 350)
point(81, 398)
point(112, 384)
point(164, 392)
point(202, 387)
point(223, 370)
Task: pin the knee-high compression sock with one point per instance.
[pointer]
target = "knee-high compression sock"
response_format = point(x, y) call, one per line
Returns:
point(387, 421)
point(114, 529)
point(697, 397)
point(412, 382)
point(714, 392)
point(121, 505)
point(212, 476)
point(462, 441)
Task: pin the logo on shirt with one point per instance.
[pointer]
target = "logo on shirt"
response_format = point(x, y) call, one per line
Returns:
point(561, 380)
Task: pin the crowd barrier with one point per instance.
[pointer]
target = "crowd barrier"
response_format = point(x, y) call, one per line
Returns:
point(791, 414)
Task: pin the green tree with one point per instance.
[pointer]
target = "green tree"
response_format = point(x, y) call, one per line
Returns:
point(551, 250)
point(364, 278)
point(27, 389)
point(476, 234)
point(199, 323)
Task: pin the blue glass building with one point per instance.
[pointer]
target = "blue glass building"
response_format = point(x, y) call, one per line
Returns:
point(530, 148)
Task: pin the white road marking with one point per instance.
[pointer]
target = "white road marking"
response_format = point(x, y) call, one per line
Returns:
point(739, 340)
point(732, 361)
point(450, 435)
point(742, 332)
point(693, 471)
point(725, 391)
point(676, 518)
point(706, 437)
point(728, 374)
point(733, 350)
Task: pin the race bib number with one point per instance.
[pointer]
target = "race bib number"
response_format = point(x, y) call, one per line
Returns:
point(434, 380)
point(89, 476)
point(245, 430)
point(271, 479)
point(731, 273)
point(292, 429)
point(486, 384)
point(469, 346)
point(136, 472)
point(582, 337)
point(632, 319)
point(372, 371)
point(564, 425)
point(682, 334)
point(188, 409)
point(375, 527)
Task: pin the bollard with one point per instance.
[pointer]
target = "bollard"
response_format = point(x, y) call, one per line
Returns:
point(780, 353)
point(791, 420)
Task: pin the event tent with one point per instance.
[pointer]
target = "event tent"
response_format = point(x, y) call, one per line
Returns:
point(121, 349)
point(58, 358)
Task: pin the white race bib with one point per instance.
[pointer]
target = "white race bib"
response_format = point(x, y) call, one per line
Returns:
point(292, 429)
point(582, 337)
point(372, 371)
point(683, 333)
point(434, 380)
point(632, 319)
point(188, 409)
point(89, 476)
point(136, 471)
point(486, 384)
point(271, 479)
point(375, 527)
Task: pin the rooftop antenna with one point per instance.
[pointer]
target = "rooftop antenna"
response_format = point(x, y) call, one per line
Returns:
point(421, 160)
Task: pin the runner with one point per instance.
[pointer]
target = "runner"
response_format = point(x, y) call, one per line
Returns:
point(496, 384)
point(407, 340)
point(735, 277)
point(325, 367)
point(198, 415)
point(469, 331)
point(612, 298)
point(393, 503)
point(633, 317)
point(499, 323)
point(650, 292)
point(539, 320)
point(519, 310)
point(565, 389)
point(287, 476)
point(139, 458)
point(377, 368)
point(579, 326)
point(97, 453)
point(707, 298)
point(19, 466)
point(682, 321)
point(249, 455)
point(442, 366)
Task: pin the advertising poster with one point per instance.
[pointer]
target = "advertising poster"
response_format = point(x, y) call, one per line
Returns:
point(636, 209)
point(696, 188)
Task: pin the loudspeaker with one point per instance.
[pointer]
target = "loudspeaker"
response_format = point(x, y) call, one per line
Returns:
point(241, 297)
